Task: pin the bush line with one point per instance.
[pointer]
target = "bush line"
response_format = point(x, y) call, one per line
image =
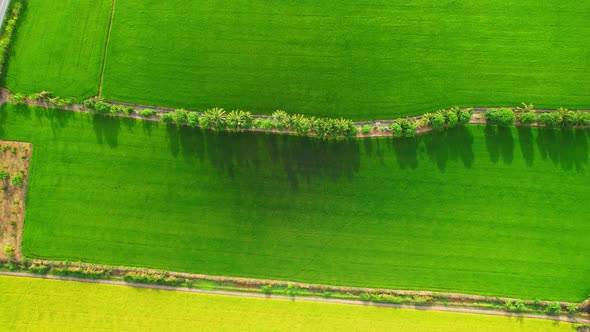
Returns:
point(154, 277)
point(13, 13)
point(219, 119)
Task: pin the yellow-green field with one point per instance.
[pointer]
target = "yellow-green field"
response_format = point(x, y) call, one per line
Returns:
point(51, 305)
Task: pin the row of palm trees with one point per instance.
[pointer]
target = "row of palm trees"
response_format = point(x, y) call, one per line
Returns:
point(237, 120)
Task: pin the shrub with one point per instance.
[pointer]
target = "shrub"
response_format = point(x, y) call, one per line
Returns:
point(436, 121)
point(408, 128)
point(551, 119)
point(179, 116)
point(39, 269)
point(570, 118)
point(16, 180)
point(97, 106)
point(267, 124)
point(396, 128)
point(121, 109)
point(192, 118)
point(3, 175)
point(527, 118)
point(464, 116)
point(266, 289)
point(553, 308)
point(572, 308)
point(147, 112)
point(158, 279)
point(166, 117)
point(500, 117)
point(583, 118)
point(18, 98)
point(451, 118)
point(9, 250)
point(366, 129)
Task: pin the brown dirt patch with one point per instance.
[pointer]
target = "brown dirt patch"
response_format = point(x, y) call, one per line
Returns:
point(14, 160)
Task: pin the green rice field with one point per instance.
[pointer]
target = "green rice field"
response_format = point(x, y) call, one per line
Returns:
point(50, 305)
point(475, 210)
point(359, 59)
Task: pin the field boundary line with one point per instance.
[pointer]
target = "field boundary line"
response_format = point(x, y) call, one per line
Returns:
point(106, 48)
point(300, 298)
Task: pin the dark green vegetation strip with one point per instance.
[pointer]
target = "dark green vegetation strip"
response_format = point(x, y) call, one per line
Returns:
point(361, 59)
point(477, 210)
point(59, 46)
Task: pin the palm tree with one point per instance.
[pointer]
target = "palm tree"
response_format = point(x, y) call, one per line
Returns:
point(239, 119)
point(217, 117)
point(280, 117)
point(43, 95)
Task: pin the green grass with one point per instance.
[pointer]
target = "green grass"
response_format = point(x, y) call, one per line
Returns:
point(59, 46)
point(48, 305)
point(361, 59)
point(472, 210)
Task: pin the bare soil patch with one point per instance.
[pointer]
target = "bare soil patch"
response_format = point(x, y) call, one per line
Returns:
point(14, 160)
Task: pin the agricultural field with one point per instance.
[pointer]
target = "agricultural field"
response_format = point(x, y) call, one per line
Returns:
point(59, 46)
point(474, 209)
point(50, 305)
point(361, 59)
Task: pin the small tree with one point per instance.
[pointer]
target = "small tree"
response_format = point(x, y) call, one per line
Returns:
point(464, 115)
point(396, 129)
point(3, 175)
point(179, 116)
point(500, 117)
point(551, 119)
point(166, 117)
point(451, 118)
point(553, 308)
point(366, 129)
point(437, 121)
point(527, 118)
point(192, 119)
point(147, 112)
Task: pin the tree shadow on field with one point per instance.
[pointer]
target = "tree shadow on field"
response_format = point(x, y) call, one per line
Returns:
point(567, 148)
point(500, 144)
point(527, 144)
point(172, 131)
point(106, 129)
point(147, 127)
point(450, 144)
point(301, 159)
point(406, 151)
point(192, 144)
point(304, 159)
point(58, 119)
point(227, 151)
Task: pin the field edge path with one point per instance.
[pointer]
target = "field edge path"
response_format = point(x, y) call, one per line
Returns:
point(106, 48)
point(302, 298)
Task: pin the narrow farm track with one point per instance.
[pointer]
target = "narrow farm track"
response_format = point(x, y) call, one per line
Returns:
point(302, 298)
point(106, 48)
